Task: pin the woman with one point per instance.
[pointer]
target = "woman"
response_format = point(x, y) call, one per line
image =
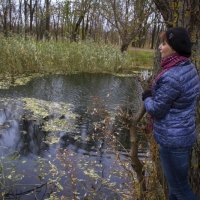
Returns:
point(172, 105)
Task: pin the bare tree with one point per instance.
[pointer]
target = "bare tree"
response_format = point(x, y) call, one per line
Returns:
point(20, 19)
point(32, 8)
point(78, 19)
point(81, 8)
point(128, 17)
point(47, 18)
point(4, 16)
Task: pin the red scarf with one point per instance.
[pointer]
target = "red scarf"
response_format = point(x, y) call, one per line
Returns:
point(169, 62)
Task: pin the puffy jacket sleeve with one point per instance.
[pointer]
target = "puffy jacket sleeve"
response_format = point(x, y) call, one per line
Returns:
point(167, 89)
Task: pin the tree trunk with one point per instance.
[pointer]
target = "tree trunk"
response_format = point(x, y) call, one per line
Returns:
point(10, 15)
point(124, 45)
point(32, 11)
point(186, 13)
point(26, 17)
point(47, 19)
point(20, 21)
point(5, 20)
point(77, 26)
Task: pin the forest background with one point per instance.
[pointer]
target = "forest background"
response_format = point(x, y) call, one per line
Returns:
point(120, 23)
point(49, 36)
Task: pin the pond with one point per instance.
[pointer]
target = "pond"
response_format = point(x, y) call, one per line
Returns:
point(60, 137)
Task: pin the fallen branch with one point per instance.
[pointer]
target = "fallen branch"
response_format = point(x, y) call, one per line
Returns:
point(7, 195)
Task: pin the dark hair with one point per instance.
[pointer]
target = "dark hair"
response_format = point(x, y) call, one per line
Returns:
point(163, 36)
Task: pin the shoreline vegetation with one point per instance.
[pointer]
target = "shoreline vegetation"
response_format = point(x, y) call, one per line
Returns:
point(27, 56)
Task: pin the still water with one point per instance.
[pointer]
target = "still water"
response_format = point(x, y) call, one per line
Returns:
point(55, 142)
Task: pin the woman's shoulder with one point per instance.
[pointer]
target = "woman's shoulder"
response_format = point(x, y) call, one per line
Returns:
point(181, 75)
point(182, 70)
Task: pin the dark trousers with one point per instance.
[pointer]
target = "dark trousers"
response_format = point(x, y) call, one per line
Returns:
point(175, 164)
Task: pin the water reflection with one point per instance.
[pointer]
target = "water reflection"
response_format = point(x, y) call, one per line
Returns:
point(91, 97)
point(31, 138)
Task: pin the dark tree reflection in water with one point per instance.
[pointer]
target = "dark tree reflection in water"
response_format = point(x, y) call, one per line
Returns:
point(53, 142)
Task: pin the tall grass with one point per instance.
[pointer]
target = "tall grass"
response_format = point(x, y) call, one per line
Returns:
point(19, 55)
point(141, 58)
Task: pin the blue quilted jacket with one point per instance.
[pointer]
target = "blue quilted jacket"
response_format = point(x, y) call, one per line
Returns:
point(173, 106)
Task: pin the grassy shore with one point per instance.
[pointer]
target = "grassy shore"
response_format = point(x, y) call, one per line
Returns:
point(19, 56)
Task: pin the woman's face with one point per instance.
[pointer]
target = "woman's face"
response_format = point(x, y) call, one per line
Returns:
point(165, 50)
